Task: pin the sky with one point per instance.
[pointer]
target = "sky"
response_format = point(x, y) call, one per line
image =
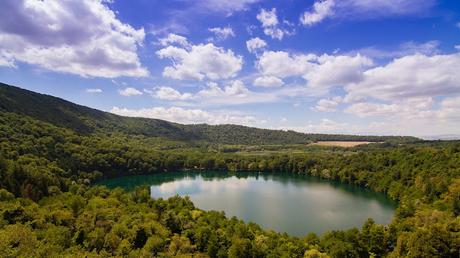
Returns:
point(383, 67)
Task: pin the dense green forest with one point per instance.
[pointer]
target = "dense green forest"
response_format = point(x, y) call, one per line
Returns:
point(52, 151)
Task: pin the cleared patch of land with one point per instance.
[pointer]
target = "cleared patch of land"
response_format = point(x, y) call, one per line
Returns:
point(339, 143)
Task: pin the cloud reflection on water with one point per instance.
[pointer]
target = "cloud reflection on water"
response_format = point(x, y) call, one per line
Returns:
point(285, 203)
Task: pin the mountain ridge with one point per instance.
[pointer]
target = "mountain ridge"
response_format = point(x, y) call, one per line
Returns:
point(86, 120)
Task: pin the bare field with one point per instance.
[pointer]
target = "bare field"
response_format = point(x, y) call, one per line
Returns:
point(339, 143)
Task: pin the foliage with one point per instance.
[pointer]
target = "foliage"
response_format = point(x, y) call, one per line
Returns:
point(49, 206)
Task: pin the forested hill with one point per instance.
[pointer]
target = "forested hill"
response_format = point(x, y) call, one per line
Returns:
point(86, 120)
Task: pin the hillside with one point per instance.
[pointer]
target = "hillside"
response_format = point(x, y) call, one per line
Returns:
point(86, 120)
point(51, 151)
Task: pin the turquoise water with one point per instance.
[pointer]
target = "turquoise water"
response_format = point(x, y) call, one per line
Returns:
point(284, 202)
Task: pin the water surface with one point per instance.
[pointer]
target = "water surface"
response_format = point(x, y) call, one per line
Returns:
point(284, 202)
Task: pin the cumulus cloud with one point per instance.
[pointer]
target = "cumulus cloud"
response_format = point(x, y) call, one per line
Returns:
point(410, 76)
point(414, 91)
point(268, 18)
point(172, 39)
point(200, 61)
point(415, 75)
point(7, 59)
point(93, 90)
point(321, 10)
point(327, 105)
point(55, 35)
point(331, 71)
point(322, 72)
point(326, 125)
point(256, 44)
point(190, 116)
point(282, 64)
point(234, 89)
point(450, 109)
point(268, 81)
point(168, 93)
point(232, 93)
point(415, 116)
point(366, 109)
point(222, 33)
point(129, 91)
point(271, 24)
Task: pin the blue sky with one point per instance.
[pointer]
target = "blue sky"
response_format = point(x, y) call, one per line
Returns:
point(330, 66)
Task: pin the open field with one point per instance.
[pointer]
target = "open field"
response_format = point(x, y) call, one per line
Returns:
point(339, 143)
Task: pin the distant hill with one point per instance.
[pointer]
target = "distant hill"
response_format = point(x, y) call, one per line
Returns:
point(86, 120)
point(442, 137)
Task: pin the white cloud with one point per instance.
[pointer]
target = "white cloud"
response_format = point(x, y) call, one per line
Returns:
point(274, 33)
point(268, 81)
point(457, 47)
point(233, 93)
point(129, 91)
point(168, 93)
point(410, 76)
point(404, 95)
point(7, 60)
point(271, 25)
point(327, 105)
point(282, 64)
point(322, 72)
point(458, 25)
point(405, 49)
point(373, 109)
point(56, 35)
point(93, 90)
point(450, 109)
point(333, 71)
point(414, 116)
point(268, 18)
point(321, 10)
point(255, 44)
point(174, 39)
point(324, 126)
point(190, 116)
point(234, 89)
point(200, 62)
point(222, 33)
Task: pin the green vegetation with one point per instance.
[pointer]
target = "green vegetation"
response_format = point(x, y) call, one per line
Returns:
point(51, 152)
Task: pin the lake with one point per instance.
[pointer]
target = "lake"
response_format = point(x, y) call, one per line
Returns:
point(284, 202)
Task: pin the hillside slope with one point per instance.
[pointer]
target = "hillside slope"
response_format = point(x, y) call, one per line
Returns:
point(86, 120)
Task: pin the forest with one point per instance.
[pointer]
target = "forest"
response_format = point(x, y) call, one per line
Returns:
point(50, 158)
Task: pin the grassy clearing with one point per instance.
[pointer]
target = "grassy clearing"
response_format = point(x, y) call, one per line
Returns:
point(339, 143)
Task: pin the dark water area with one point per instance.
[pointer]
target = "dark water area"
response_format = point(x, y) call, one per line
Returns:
point(284, 202)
